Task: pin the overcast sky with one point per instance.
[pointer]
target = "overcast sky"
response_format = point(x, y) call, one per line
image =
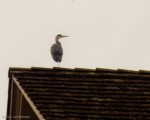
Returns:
point(103, 33)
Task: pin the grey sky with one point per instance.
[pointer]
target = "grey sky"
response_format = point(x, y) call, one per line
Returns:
point(103, 33)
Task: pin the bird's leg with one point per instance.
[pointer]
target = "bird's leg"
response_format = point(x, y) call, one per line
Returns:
point(58, 64)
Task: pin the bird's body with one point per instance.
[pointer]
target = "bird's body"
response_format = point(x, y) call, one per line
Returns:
point(57, 50)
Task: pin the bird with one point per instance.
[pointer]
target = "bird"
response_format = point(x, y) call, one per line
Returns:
point(57, 50)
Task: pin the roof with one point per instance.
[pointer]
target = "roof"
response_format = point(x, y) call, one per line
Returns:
point(86, 93)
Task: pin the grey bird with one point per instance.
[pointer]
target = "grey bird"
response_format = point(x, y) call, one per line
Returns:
point(57, 50)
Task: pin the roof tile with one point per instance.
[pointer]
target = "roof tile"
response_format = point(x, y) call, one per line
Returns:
point(127, 71)
point(106, 70)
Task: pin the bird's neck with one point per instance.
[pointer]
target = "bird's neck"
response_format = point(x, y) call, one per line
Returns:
point(57, 41)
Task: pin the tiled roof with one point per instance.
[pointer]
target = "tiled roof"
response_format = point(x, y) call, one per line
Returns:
point(63, 93)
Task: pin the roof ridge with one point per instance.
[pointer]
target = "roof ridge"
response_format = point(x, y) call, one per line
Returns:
point(127, 71)
point(11, 69)
point(106, 70)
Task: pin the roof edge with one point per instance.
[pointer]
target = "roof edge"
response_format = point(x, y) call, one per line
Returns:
point(20, 69)
point(39, 115)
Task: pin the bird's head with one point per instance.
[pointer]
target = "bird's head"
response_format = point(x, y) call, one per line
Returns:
point(60, 36)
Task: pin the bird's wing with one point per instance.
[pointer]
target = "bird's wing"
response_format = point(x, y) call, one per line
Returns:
point(56, 49)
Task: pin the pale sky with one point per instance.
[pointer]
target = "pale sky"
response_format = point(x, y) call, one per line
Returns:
point(103, 34)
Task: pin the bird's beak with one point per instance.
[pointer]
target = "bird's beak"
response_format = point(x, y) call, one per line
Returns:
point(65, 36)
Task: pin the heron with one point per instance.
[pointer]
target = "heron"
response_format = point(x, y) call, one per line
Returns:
point(57, 50)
